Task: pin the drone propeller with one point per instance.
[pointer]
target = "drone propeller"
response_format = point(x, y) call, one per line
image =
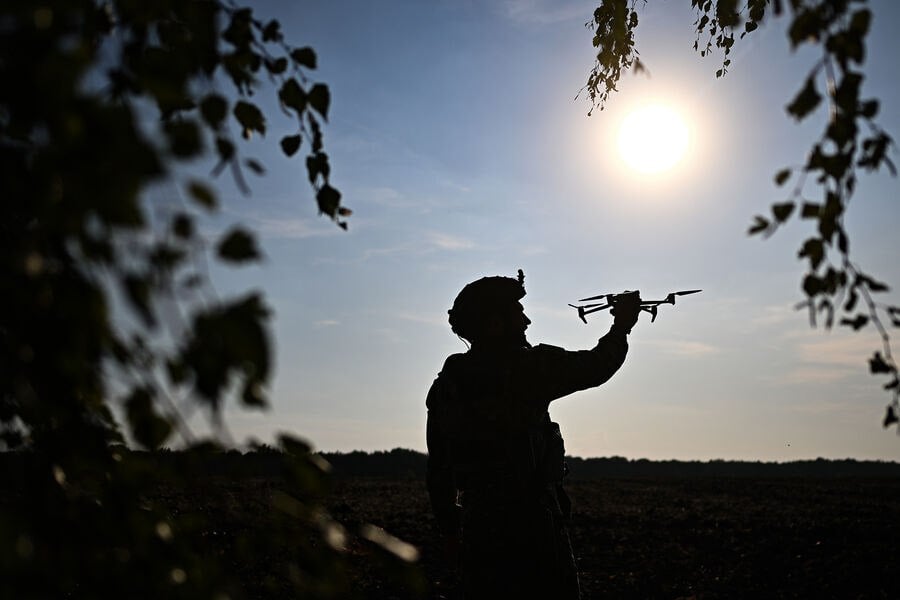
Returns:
point(670, 299)
point(600, 297)
point(650, 306)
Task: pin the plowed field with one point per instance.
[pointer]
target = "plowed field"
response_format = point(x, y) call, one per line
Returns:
point(699, 538)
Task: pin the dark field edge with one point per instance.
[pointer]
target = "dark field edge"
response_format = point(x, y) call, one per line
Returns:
point(720, 533)
point(402, 463)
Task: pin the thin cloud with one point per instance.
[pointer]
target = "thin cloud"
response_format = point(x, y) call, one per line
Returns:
point(434, 319)
point(817, 375)
point(387, 197)
point(828, 357)
point(288, 228)
point(686, 348)
point(775, 315)
point(294, 229)
point(445, 241)
point(848, 350)
point(326, 323)
point(545, 12)
point(386, 251)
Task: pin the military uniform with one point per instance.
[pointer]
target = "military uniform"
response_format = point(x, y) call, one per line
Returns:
point(495, 463)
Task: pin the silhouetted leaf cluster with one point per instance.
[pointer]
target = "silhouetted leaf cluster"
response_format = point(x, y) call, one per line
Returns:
point(852, 141)
point(157, 527)
point(111, 329)
point(613, 25)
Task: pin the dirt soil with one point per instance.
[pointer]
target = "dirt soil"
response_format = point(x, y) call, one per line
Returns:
point(688, 538)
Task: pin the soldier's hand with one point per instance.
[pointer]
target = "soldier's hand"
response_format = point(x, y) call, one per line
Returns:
point(626, 309)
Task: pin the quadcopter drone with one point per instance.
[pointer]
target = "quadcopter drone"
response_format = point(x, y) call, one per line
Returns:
point(610, 300)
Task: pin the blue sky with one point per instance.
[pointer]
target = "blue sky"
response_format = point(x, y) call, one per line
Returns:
point(454, 137)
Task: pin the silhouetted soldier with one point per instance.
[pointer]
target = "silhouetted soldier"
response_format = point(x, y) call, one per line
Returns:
point(495, 459)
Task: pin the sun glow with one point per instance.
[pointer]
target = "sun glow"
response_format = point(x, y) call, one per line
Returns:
point(653, 139)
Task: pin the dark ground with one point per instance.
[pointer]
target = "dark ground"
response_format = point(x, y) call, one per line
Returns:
point(699, 538)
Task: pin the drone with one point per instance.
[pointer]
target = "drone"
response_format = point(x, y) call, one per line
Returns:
point(610, 300)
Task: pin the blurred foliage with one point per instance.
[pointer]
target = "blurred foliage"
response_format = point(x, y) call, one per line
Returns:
point(112, 330)
point(851, 143)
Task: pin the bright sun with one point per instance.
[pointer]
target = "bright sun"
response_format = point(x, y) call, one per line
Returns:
point(652, 139)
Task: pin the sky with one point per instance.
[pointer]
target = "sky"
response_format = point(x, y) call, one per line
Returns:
point(455, 136)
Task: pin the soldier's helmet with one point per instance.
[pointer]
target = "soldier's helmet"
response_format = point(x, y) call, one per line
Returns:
point(479, 300)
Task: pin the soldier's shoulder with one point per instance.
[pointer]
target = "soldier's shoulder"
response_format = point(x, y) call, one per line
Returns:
point(452, 363)
point(545, 349)
point(444, 381)
point(540, 356)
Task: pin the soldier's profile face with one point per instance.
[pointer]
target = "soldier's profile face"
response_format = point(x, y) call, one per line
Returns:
point(517, 322)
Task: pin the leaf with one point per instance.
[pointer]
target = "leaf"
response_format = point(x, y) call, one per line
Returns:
point(852, 299)
point(166, 257)
point(213, 109)
point(812, 285)
point(148, 428)
point(176, 370)
point(877, 364)
point(184, 138)
point(760, 224)
point(329, 199)
point(272, 31)
point(806, 26)
point(238, 246)
point(782, 211)
point(316, 133)
point(202, 195)
point(868, 109)
point(253, 395)
point(305, 57)
point(250, 117)
point(290, 144)
point(894, 313)
point(317, 164)
point(782, 176)
point(293, 445)
point(293, 96)
point(810, 210)
point(877, 286)
point(842, 130)
point(182, 226)
point(255, 166)
point(277, 66)
point(228, 340)
point(847, 93)
point(806, 100)
point(814, 250)
point(858, 323)
point(319, 99)
point(137, 290)
point(872, 284)
point(860, 21)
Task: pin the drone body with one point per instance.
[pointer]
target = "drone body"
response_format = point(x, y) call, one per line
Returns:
point(610, 300)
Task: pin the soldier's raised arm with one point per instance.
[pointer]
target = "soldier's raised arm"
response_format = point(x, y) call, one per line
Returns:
point(554, 372)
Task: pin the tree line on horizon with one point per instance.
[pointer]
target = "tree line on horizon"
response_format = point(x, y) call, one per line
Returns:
point(266, 461)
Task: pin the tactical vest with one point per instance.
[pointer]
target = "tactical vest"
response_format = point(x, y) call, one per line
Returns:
point(497, 435)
